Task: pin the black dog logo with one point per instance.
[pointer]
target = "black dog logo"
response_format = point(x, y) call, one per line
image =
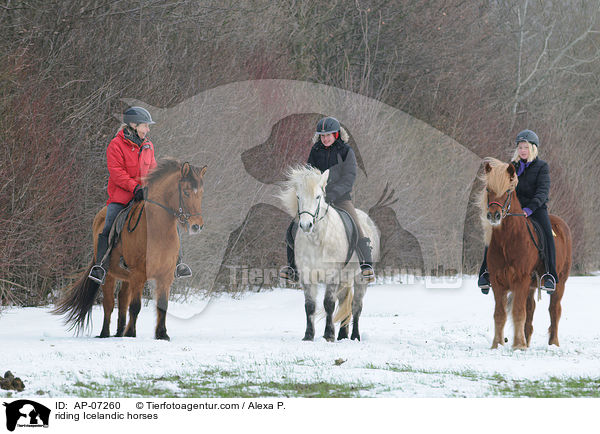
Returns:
point(31, 411)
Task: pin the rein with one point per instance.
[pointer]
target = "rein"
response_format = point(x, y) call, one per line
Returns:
point(180, 214)
point(506, 207)
point(316, 213)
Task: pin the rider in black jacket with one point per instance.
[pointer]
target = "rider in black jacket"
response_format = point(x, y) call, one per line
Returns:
point(331, 151)
point(532, 191)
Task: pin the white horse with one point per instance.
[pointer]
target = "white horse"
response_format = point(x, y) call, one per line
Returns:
point(320, 249)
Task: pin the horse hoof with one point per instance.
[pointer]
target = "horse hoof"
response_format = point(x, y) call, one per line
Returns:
point(329, 338)
point(355, 337)
point(163, 337)
point(103, 336)
point(308, 338)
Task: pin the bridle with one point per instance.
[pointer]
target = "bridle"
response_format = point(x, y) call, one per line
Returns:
point(506, 205)
point(505, 212)
point(180, 214)
point(316, 213)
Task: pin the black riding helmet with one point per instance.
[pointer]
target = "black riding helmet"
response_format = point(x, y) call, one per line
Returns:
point(137, 115)
point(328, 125)
point(528, 136)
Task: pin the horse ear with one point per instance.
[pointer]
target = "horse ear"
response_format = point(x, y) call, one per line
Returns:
point(185, 170)
point(511, 171)
point(487, 167)
point(325, 177)
point(203, 171)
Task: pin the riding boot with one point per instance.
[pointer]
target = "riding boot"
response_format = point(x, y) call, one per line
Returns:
point(484, 277)
point(290, 272)
point(182, 269)
point(98, 271)
point(366, 259)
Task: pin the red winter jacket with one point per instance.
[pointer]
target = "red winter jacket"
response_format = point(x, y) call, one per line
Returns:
point(127, 165)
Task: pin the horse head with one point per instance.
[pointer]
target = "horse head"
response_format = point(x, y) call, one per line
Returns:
point(177, 188)
point(500, 183)
point(304, 196)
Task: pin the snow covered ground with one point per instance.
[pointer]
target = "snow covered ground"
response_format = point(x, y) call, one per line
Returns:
point(416, 342)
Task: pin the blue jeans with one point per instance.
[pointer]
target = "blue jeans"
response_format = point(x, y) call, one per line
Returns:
point(113, 209)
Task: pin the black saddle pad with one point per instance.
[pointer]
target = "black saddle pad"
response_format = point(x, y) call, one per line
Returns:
point(351, 231)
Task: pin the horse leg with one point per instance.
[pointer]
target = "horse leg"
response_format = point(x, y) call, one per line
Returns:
point(555, 312)
point(310, 305)
point(344, 326)
point(357, 303)
point(529, 317)
point(163, 287)
point(124, 296)
point(520, 294)
point(108, 302)
point(136, 286)
point(329, 305)
point(499, 314)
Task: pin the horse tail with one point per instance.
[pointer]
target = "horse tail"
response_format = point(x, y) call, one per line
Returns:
point(78, 301)
point(344, 309)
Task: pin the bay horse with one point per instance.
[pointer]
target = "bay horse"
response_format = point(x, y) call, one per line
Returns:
point(513, 259)
point(149, 246)
point(321, 246)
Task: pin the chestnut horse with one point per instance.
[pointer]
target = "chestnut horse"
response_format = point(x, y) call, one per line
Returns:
point(149, 246)
point(513, 260)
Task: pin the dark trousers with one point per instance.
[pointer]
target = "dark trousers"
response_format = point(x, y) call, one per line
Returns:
point(540, 216)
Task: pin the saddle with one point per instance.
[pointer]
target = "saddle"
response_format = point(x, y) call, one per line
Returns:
point(349, 226)
point(351, 232)
point(117, 228)
point(541, 244)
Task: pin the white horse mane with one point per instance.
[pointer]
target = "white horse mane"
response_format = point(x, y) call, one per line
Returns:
point(304, 179)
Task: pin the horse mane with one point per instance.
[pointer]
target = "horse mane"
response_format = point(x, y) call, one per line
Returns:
point(165, 167)
point(498, 181)
point(300, 176)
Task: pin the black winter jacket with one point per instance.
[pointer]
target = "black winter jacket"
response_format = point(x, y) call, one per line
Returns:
point(534, 185)
point(339, 158)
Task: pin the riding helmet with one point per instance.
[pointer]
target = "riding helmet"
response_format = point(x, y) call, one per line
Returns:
point(328, 125)
point(528, 136)
point(137, 115)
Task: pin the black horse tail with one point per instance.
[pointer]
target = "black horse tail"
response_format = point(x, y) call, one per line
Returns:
point(78, 301)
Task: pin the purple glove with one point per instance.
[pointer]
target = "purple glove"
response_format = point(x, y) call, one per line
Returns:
point(527, 211)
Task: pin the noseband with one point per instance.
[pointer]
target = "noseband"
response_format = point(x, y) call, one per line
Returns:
point(180, 214)
point(506, 206)
point(316, 213)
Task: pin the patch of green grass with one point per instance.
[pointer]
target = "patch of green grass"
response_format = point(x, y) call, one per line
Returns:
point(551, 388)
point(207, 384)
point(472, 375)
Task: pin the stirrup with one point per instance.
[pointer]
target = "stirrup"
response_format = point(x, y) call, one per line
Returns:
point(367, 273)
point(97, 274)
point(182, 270)
point(289, 274)
point(548, 283)
point(484, 282)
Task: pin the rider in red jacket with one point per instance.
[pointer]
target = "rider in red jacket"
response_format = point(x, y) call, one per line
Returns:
point(129, 157)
